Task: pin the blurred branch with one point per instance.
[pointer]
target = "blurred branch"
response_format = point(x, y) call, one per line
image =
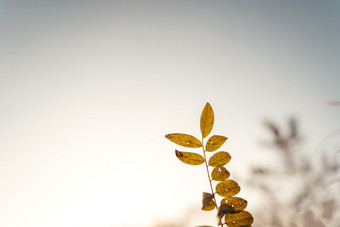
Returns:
point(302, 188)
point(284, 143)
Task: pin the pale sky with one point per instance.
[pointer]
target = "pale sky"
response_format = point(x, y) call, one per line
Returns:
point(88, 89)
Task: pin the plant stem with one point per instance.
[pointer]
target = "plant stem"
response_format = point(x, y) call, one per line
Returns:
point(211, 187)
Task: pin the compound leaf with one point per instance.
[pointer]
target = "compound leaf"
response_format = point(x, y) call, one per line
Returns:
point(184, 140)
point(238, 204)
point(220, 173)
point(215, 142)
point(227, 188)
point(207, 120)
point(242, 218)
point(219, 159)
point(190, 158)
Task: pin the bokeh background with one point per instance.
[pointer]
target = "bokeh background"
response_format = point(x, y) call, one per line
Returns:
point(88, 89)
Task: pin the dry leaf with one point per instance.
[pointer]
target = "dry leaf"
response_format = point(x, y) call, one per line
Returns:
point(223, 210)
point(190, 158)
point(207, 202)
point(227, 188)
point(238, 204)
point(220, 173)
point(207, 120)
point(210, 206)
point(242, 218)
point(184, 140)
point(215, 142)
point(219, 159)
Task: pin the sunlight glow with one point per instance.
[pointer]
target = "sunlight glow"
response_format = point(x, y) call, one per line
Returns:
point(88, 91)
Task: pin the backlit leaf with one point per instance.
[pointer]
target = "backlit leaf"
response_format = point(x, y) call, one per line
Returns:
point(227, 188)
point(207, 197)
point(223, 210)
point(184, 140)
point(236, 203)
point(219, 159)
point(220, 173)
point(215, 142)
point(207, 202)
point(242, 218)
point(190, 158)
point(210, 206)
point(207, 120)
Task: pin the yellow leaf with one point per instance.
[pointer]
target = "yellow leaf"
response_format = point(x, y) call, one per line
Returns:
point(238, 204)
point(184, 140)
point(220, 173)
point(227, 188)
point(242, 218)
point(190, 158)
point(215, 142)
point(207, 202)
point(207, 120)
point(210, 206)
point(219, 159)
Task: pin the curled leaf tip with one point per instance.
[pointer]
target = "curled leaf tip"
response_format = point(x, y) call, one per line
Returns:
point(208, 203)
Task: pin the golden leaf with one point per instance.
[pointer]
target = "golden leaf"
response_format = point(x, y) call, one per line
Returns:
point(220, 173)
point(190, 158)
point(242, 218)
point(238, 204)
point(207, 202)
point(207, 120)
point(184, 140)
point(215, 142)
point(219, 159)
point(210, 206)
point(227, 188)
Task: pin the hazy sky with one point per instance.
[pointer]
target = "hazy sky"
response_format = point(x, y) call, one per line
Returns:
point(88, 89)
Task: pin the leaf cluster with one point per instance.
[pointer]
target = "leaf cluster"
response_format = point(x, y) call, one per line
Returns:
point(230, 210)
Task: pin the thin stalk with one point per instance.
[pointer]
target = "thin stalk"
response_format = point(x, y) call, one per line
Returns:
point(211, 187)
